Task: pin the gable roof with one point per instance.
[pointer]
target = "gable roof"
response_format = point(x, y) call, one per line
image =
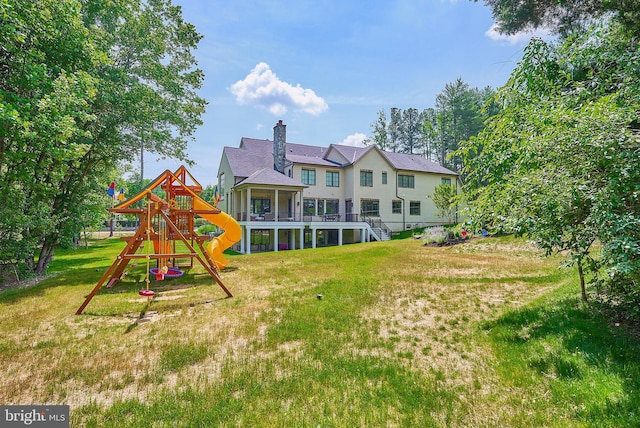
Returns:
point(351, 153)
point(244, 162)
point(271, 177)
point(255, 155)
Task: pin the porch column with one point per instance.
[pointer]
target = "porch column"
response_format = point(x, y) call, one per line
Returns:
point(276, 232)
point(244, 233)
point(248, 210)
point(340, 236)
point(292, 239)
point(248, 240)
point(302, 238)
point(276, 207)
point(362, 232)
point(313, 238)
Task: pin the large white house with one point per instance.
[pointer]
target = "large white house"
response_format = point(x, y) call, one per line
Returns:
point(291, 196)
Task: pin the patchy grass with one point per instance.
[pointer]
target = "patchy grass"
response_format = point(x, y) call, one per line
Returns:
point(486, 333)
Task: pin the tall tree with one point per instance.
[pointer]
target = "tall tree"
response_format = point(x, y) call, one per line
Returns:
point(411, 130)
point(395, 129)
point(82, 83)
point(561, 16)
point(380, 133)
point(460, 114)
point(561, 162)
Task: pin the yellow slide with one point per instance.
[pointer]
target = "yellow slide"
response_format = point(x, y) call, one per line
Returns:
point(232, 232)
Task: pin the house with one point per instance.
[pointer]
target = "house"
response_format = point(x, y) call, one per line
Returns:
point(293, 196)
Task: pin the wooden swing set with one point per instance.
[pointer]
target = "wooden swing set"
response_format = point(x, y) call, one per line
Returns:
point(167, 226)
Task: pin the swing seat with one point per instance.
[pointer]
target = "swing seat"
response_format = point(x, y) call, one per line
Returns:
point(172, 272)
point(147, 293)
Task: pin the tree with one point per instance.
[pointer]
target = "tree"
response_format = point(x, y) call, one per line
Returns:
point(561, 16)
point(380, 134)
point(460, 114)
point(446, 201)
point(411, 130)
point(560, 162)
point(82, 84)
point(429, 133)
point(395, 129)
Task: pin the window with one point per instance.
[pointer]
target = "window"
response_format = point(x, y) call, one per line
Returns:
point(309, 207)
point(384, 177)
point(414, 207)
point(446, 181)
point(366, 178)
point(396, 207)
point(332, 206)
point(333, 179)
point(309, 176)
point(222, 182)
point(260, 206)
point(370, 207)
point(406, 181)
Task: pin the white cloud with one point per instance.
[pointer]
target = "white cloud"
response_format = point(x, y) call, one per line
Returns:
point(262, 88)
point(520, 38)
point(355, 140)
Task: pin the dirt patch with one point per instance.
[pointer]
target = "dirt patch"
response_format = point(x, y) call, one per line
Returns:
point(446, 243)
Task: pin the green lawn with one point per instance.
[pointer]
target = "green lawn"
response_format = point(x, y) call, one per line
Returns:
point(486, 333)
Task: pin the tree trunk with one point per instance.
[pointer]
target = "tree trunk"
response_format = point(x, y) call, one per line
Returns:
point(86, 241)
point(583, 290)
point(46, 255)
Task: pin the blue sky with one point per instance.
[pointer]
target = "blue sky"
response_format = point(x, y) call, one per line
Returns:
point(326, 67)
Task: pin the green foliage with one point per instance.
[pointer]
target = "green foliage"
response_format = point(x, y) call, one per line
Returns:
point(564, 16)
point(207, 228)
point(435, 133)
point(561, 162)
point(83, 85)
point(445, 198)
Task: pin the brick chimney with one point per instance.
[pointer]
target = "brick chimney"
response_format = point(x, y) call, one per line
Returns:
point(279, 146)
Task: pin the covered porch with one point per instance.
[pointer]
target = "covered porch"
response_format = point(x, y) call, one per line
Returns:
point(266, 236)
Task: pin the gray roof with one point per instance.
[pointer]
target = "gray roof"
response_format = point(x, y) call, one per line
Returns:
point(310, 160)
point(271, 177)
point(254, 160)
point(244, 162)
point(302, 150)
point(351, 153)
point(409, 162)
point(255, 145)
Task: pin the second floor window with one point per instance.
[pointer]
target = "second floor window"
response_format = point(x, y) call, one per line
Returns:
point(309, 176)
point(384, 177)
point(396, 207)
point(366, 178)
point(333, 179)
point(446, 181)
point(406, 181)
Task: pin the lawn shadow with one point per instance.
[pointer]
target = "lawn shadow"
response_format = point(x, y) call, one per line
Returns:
point(575, 345)
point(79, 277)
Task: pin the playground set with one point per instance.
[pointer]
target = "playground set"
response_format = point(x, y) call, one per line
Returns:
point(167, 228)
